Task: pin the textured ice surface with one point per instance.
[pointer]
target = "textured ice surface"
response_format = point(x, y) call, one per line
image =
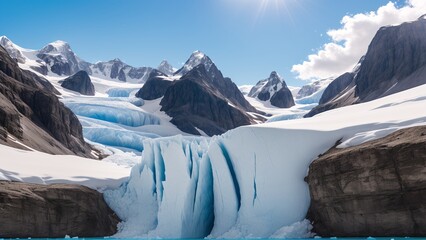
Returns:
point(170, 193)
point(250, 179)
point(113, 111)
point(122, 92)
point(112, 134)
point(190, 188)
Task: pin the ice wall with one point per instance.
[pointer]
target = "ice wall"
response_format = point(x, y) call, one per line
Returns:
point(246, 183)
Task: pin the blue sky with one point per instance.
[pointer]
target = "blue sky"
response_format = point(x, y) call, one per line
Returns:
point(244, 39)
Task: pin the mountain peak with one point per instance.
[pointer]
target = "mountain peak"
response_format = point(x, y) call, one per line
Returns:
point(4, 39)
point(196, 58)
point(274, 74)
point(57, 46)
point(166, 67)
point(116, 60)
point(197, 54)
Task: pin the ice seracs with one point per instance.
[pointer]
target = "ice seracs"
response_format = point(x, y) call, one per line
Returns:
point(251, 179)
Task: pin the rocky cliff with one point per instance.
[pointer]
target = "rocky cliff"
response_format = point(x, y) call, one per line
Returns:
point(53, 211)
point(32, 113)
point(374, 189)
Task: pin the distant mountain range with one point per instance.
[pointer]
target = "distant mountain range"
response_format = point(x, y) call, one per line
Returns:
point(200, 100)
point(57, 58)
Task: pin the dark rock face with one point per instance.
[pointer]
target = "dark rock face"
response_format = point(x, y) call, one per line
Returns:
point(116, 69)
point(53, 211)
point(194, 101)
point(336, 87)
point(374, 189)
point(283, 98)
point(155, 87)
point(394, 54)
point(28, 101)
point(79, 82)
point(395, 61)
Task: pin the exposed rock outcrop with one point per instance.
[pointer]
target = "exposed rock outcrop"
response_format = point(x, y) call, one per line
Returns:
point(395, 61)
point(336, 87)
point(155, 87)
point(79, 82)
point(273, 89)
point(53, 211)
point(283, 98)
point(28, 102)
point(374, 189)
point(194, 102)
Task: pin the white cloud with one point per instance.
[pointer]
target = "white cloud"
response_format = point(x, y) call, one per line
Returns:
point(350, 42)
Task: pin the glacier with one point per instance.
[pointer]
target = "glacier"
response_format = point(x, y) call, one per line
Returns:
point(122, 92)
point(121, 112)
point(248, 182)
point(112, 134)
point(194, 187)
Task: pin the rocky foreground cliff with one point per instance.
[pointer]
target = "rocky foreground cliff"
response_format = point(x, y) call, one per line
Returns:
point(374, 189)
point(31, 113)
point(53, 211)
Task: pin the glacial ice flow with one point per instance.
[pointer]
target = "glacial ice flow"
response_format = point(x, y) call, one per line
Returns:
point(112, 134)
point(248, 182)
point(122, 92)
point(189, 187)
point(120, 112)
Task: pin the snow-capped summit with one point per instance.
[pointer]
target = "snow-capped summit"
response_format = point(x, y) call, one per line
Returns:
point(58, 47)
point(61, 60)
point(273, 89)
point(12, 49)
point(265, 88)
point(166, 68)
point(194, 60)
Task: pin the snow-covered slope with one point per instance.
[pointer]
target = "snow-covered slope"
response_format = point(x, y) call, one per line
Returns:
point(42, 168)
point(245, 89)
point(311, 93)
point(250, 179)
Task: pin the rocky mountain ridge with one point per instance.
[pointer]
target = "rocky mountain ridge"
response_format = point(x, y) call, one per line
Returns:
point(395, 61)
